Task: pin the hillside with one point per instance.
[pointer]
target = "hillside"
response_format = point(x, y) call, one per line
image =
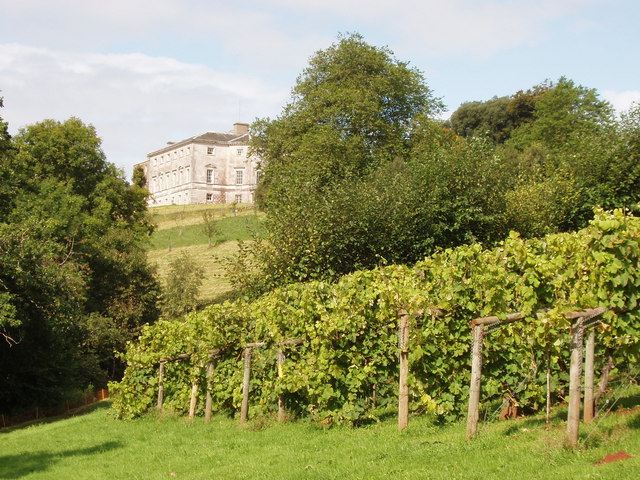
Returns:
point(179, 228)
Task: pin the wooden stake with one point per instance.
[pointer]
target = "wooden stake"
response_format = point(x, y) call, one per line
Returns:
point(588, 377)
point(281, 410)
point(160, 386)
point(548, 417)
point(194, 394)
point(473, 413)
point(209, 401)
point(575, 377)
point(403, 391)
point(244, 411)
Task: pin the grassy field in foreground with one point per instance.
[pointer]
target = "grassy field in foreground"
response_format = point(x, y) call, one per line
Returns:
point(96, 446)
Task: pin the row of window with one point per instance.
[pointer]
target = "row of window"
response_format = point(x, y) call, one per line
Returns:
point(211, 176)
point(170, 179)
point(166, 157)
point(212, 151)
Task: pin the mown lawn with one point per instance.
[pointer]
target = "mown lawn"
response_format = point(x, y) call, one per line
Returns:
point(96, 446)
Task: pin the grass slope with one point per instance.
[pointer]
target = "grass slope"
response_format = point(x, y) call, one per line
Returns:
point(179, 229)
point(95, 446)
point(241, 227)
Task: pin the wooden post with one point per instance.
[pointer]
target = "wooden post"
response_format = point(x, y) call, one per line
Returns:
point(244, 411)
point(281, 411)
point(194, 394)
point(548, 417)
point(588, 377)
point(575, 377)
point(403, 391)
point(160, 385)
point(209, 401)
point(473, 413)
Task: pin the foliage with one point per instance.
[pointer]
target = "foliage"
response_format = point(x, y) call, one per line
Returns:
point(489, 118)
point(210, 225)
point(182, 286)
point(560, 153)
point(74, 281)
point(346, 369)
point(331, 162)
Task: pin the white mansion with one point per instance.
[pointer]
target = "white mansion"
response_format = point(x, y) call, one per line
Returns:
point(208, 168)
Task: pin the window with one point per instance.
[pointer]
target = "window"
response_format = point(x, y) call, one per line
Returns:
point(239, 152)
point(238, 198)
point(211, 150)
point(209, 197)
point(258, 176)
point(239, 177)
point(210, 175)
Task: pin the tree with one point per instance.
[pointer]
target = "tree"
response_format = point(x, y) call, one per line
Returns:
point(139, 179)
point(348, 125)
point(182, 286)
point(75, 285)
point(210, 225)
point(489, 118)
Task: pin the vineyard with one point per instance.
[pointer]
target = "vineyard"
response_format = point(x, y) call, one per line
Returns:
point(330, 351)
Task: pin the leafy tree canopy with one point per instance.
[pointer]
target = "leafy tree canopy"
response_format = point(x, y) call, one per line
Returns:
point(74, 281)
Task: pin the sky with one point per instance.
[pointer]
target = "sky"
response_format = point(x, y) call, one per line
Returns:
point(147, 72)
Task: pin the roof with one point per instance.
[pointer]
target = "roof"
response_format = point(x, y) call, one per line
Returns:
point(207, 137)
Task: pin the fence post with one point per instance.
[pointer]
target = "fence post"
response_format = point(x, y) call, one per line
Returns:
point(588, 377)
point(244, 411)
point(473, 413)
point(194, 394)
point(403, 390)
point(281, 411)
point(160, 385)
point(207, 408)
point(548, 412)
point(575, 377)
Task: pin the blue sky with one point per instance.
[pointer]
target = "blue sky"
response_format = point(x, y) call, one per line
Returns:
point(146, 72)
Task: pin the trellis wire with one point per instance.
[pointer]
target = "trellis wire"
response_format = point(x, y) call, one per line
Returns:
point(617, 395)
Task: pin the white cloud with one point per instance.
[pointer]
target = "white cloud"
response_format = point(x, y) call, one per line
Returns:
point(276, 33)
point(621, 101)
point(480, 28)
point(145, 100)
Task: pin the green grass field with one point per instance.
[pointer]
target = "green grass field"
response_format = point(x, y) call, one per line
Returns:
point(96, 446)
point(179, 228)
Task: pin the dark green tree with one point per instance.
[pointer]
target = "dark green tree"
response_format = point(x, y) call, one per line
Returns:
point(75, 284)
point(330, 162)
point(490, 118)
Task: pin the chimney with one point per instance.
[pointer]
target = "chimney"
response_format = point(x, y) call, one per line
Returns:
point(240, 128)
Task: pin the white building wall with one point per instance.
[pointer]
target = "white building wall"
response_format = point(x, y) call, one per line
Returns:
point(178, 174)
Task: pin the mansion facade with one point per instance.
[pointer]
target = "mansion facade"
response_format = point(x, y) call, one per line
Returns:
point(208, 168)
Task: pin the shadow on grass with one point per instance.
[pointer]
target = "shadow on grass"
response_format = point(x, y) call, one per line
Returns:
point(17, 466)
point(630, 401)
point(101, 405)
